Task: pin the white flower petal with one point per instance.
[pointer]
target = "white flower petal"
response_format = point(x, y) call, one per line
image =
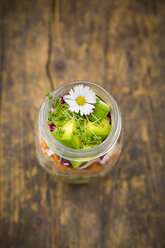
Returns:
point(90, 100)
point(70, 97)
point(70, 102)
point(78, 89)
point(72, 93)
point(87, 93)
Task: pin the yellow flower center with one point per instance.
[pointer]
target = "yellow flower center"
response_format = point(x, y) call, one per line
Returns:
point(81, 100)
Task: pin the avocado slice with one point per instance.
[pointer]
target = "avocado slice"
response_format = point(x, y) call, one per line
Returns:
point(76, 141)
point(76, 164)
point(88, 146)
point(100, 111)
point(103, 129)
point(66, 137)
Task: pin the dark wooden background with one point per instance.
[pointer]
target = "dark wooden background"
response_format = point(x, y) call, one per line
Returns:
point(119, 44)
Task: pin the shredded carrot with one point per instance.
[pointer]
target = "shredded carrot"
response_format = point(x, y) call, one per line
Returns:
point(113, 157)
point(95, 166)
point(58, 163)
point(43, 144)
point(56, 158)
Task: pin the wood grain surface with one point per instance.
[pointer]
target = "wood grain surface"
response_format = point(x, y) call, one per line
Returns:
point(119, 44)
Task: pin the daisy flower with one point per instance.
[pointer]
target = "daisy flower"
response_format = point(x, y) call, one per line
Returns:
point(81, 99)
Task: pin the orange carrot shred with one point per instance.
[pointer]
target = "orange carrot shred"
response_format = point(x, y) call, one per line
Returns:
point(113, 157)
point(95, 166)
point(56, 158)
point(43, 144)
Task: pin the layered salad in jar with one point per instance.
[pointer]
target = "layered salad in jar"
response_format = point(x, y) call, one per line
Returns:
point(79, 120)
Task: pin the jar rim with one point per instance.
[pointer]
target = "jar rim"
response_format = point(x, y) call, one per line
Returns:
point(74, 154)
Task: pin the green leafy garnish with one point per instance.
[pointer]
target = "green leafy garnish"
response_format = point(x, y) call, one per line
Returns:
point(83, 132)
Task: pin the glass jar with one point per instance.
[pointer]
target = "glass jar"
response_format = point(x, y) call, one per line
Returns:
point(98, 161)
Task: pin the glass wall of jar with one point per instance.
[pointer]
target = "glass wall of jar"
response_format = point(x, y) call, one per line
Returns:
point(95, 162)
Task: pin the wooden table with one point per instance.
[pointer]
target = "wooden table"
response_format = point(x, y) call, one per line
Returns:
point(121, 46)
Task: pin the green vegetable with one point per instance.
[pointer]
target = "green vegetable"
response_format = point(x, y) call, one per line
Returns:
point(102, 130)
point(100, 112)
point(79, 132)
point(64, 134)
point(76, 164)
